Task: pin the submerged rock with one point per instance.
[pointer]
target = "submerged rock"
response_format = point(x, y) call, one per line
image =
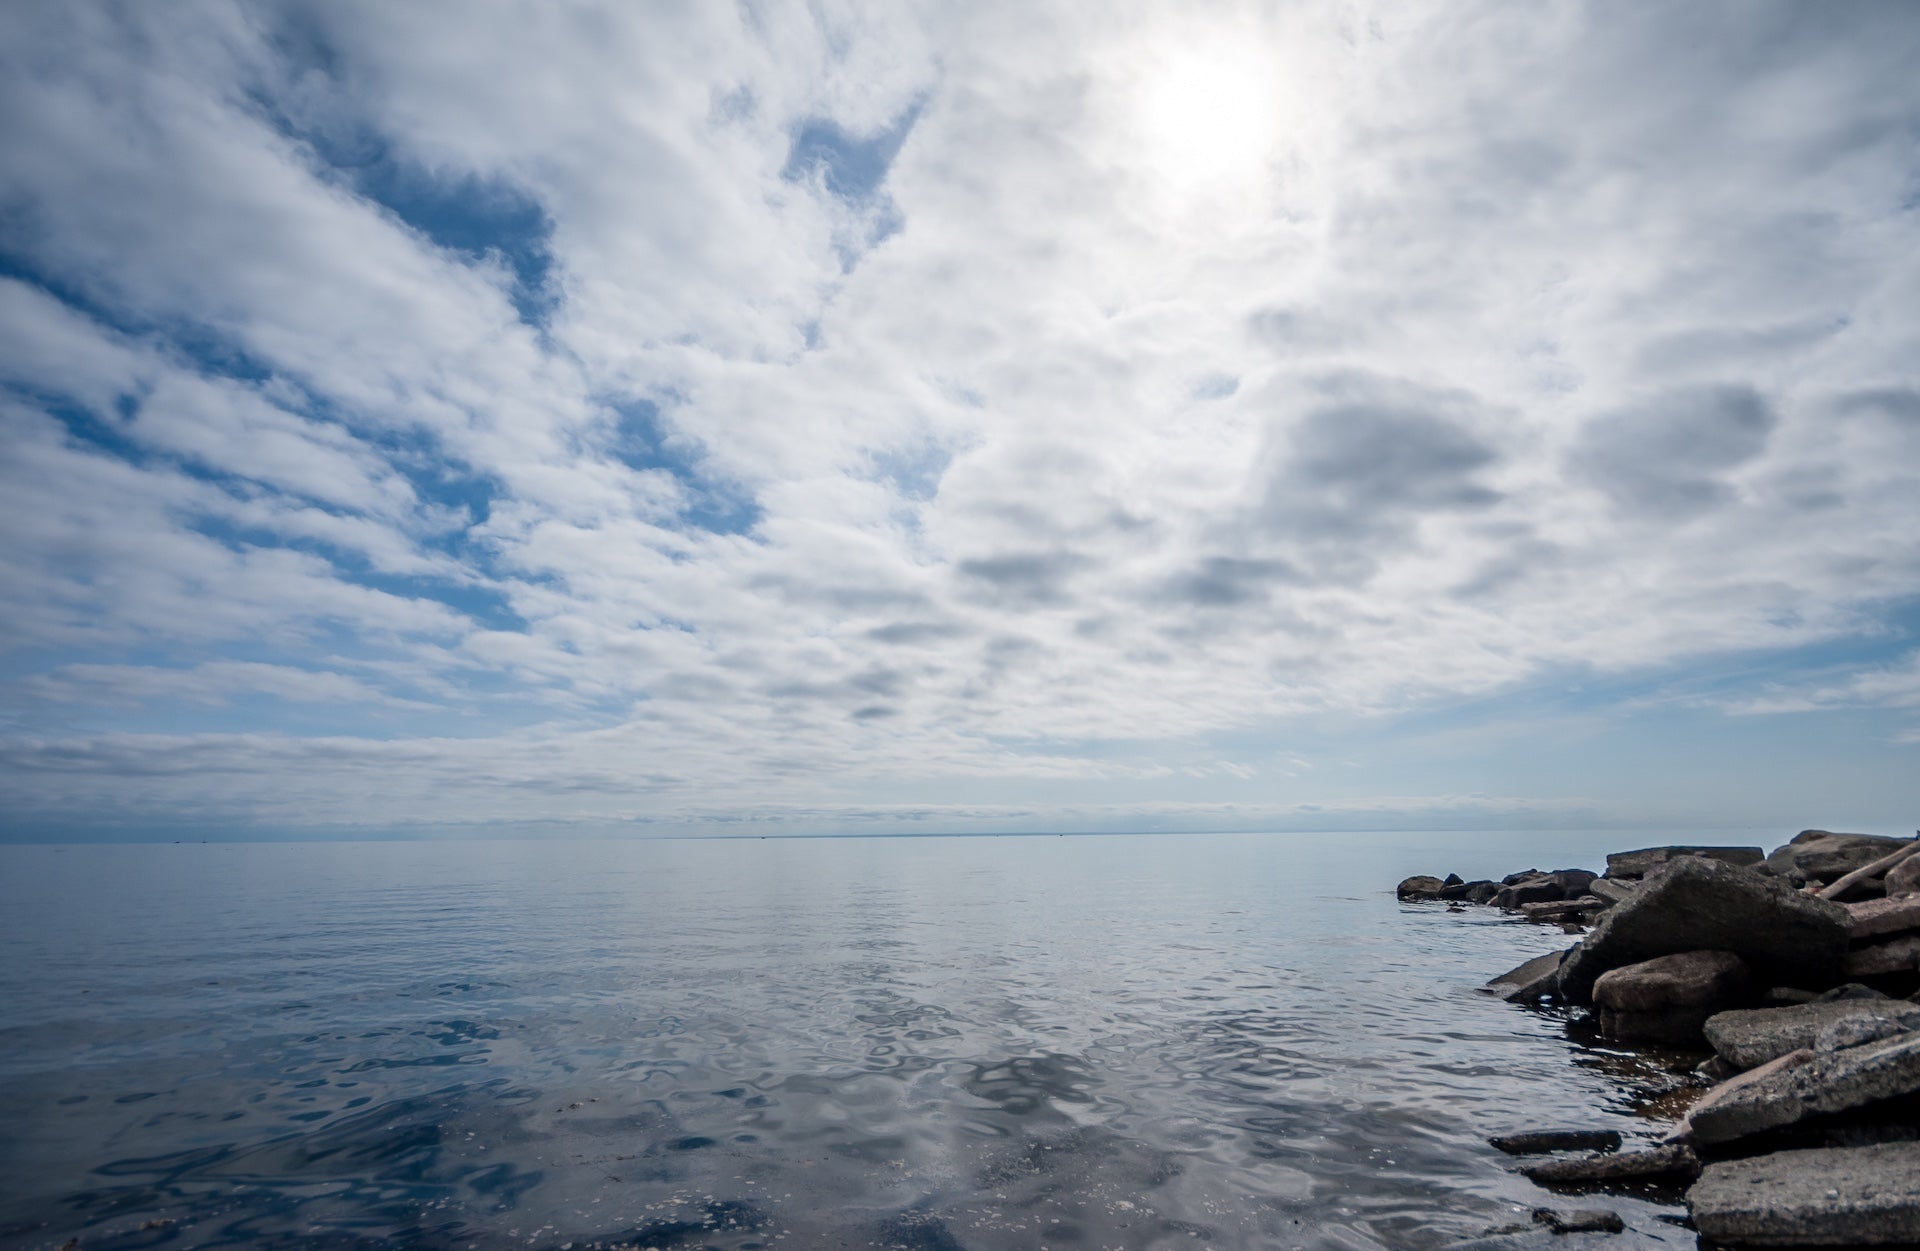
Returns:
point(1672, 1160)
point(1541, 1141)
point(1698, 904)
point(1850, 1197)
point(1753, 1036)
point(1580, 1221)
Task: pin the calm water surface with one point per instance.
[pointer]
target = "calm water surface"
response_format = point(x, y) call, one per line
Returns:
point(1178, 1041)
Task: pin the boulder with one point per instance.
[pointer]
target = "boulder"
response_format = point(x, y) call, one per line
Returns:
point(1884, 916)
point(1730, 1087)
point(1533, 890)
point(1904, 878)
point(1563, 910)
point(1781, 996)
point(1580, 1221)
point(1755, 1036)
point(1668, 999)
point(1836, 1082)
point(1850, 990)
point(1420, 887)
point(1700, 904)
point(1638, 864)
point(1821, 856)
point(1482, 892)
point(1898, 956)
point(1538, 978)
point(1540, 1141)
point(1852, 1196)
point(1672, 1160)
point(1609, 891)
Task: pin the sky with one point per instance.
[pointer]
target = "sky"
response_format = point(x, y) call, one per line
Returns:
point(482, 418)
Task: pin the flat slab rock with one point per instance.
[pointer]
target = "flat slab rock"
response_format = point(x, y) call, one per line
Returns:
point(1847, 1196)
point(1884, 916)
point(1897, 956)
point(1834, 1082)
point(1696, 904)
point(1536, 979)
point(1752, 1036)
point(1639, 863)
point(1540, 1141)
point(1673, 1160)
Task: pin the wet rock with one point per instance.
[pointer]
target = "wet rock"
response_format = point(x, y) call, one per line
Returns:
point(1565, 909)
point(1903, 879)
point(1822, 856)
point(1541, 1141)
point(1842, 1080)
point(1899, 956)
point(1698, 904)
point(1533, 890)
point(1859, 1196)
point(1669, 999)
point(1580, 1221)
point(1538, 978)
point(1884, 916)
point(1420, 887)
point(1753, 1036)
point(1638, 864)
point(1672, 1160)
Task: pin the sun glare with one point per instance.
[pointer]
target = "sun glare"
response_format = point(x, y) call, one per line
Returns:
point(1209, 113)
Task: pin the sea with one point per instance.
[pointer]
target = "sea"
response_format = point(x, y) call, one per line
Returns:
point(1129, 1041)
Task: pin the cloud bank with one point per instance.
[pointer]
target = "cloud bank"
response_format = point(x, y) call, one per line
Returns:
point(688, 417)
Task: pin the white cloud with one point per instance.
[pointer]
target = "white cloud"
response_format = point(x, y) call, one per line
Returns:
point(1416, 354)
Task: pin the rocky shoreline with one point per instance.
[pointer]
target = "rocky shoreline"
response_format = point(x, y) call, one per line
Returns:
point(1796, 974)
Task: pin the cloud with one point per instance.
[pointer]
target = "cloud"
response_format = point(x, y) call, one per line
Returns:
point(811, 411)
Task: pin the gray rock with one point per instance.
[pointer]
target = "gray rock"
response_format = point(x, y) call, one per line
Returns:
point(1898, 956)
point(1609, 891)
point(1561, 910)
point(1857, 1031)
point(1541, 1141)
point(1850, 990)
point(1668, 999)
point(1637, 864)
point(1420, 886)
point(1858, 1196)
point(1533, 890)
point(1904, 878)
point(1828, 1083)
point(1697, 904)
point(1672, 1160)
point(1822, 856)
point(1482, 892)
point(1884, 916)
point(1781, 996)
point(1512, 878)
point(1538, 978)
point(1733, 1085)
point(1751, 1037)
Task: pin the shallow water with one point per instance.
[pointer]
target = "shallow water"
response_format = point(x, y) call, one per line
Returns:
point(1148, 1041)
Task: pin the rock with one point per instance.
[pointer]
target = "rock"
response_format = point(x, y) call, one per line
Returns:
point(1857, 1196)
point(1638, 864)
point(1903, 879)
point(1580, 1221)
point(1420, 887)
point(1540, 1141)
point(1755, 1036)
point(1820, 856)
point(1781, 996)
point(1728, 1088)
point(1512, 879)
point(1533, 890)
point(1669, 999)
point(1454, 879)
point(1573, 883)
point(1538, 978)
point(1609, 891)
point(1481, 892)
point(1562, 910)
point(1884, 916)
point(1698, 904)
point(1898, 956)
point(1836, 1082)
point(1673, 1160)
point(1851, 990)
point(1857, 1031)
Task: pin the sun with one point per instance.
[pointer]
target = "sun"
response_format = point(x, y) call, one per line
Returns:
point(1209, 112)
